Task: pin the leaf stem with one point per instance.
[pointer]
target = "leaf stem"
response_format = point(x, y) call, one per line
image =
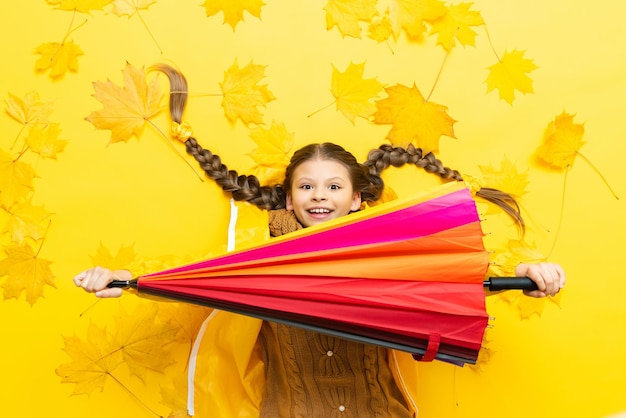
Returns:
point(558, 228)
point(322, 108)
point(491, 44)
point(145, 25)
point(135, 397)
point(593, 167)
point(443, 63)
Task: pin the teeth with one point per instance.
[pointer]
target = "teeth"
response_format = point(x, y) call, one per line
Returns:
point(319, 210)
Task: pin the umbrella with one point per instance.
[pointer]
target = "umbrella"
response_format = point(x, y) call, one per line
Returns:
point(407, 275)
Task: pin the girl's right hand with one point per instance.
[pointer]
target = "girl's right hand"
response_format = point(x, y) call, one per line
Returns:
point(96, 279)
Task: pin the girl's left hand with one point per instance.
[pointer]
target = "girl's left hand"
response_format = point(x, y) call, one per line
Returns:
point(549, 277)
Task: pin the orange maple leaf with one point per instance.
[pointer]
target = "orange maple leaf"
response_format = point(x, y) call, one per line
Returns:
point(43, 140)
point(16, 179)
point(562, 140)
point(93, 361)
point(353, 93)
point(26, 220)
point(233, 10)
point(57, 57)
point(26, 272)
point(30, 110)
point(83, 6)
point(242, 94)
point(126, 109)
point(456, 23)
point(271, 156)
point(415, 121)
point(346, 15)
point(510, 74)
point(411, 15)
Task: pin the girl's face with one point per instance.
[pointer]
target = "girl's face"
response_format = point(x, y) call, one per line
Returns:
point(321, 190)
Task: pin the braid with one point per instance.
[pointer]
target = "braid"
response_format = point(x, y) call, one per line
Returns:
point(387, 155)
point(241, 187)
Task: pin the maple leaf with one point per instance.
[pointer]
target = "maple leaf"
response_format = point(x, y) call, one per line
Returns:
point(59, 58)
point(271, 157)
point(380, 28)
point(507, 178)
point(93, 361)
point(510, 74)
point(43, 140)
point(410, 15)
point(456, 23)
point(142, 339)
point(414, 120)
point(242, 94)
point(26, 220)
point(124, 257)
point(562, 140)
point(26, 273)
point(126, 109)
point(233, 9)
point(30, 110)
point(130, 7)
point(16, 179)
point(83, 6)
point(353, 93)
point(186, 318)
point(346, 15)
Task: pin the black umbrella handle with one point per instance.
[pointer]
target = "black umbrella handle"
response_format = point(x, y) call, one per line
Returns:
point(124, 284)
point(510, 283)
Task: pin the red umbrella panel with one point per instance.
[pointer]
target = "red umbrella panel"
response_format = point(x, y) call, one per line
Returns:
point(407, 274)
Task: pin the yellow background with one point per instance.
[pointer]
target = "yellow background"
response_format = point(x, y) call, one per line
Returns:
point(567, 361)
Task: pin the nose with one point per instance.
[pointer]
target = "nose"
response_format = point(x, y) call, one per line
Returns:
point(319, 195)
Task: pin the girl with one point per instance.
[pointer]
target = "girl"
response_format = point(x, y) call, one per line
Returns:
point(305, 373)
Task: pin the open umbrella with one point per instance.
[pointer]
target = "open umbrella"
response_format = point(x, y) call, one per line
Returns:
point(407, 274)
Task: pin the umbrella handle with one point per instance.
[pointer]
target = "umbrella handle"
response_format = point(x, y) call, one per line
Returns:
point(124, 284)
point(510, 283)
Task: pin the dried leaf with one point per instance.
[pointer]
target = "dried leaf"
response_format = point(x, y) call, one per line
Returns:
point(16, 179)
point(456, 23)
point(562, 140)
point(242, 94)
point(26, 273)
point(414, 120)
point(410, 15)
point(510, 74)
point(43, 140)
point(30, 110)
point(346, 15)
point(233, 9)
point(83, 6)
point(353, 93)
point(57, 57)
point(130, 7)
point(93, 361)
point(272, 153)
point(26, 220)
point(126, 109)
point(124, 257)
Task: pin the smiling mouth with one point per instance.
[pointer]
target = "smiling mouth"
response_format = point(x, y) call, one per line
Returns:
point(319, 211)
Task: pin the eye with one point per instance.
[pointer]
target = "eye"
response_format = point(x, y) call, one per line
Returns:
point(334, 187)
point(305, 187)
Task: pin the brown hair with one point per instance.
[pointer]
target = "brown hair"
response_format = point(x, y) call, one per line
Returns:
point(365, 177)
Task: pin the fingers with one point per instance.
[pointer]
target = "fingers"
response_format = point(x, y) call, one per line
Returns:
point(549, 277)
point(95, 280)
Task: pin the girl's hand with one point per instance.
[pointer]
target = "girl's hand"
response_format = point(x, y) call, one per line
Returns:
point(549, 277)
point(96, 279)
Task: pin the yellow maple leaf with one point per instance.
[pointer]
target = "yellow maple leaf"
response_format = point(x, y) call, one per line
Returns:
point(411, 15)
point(43, 140)
point(456, 23)
point(130, 7)
point(124, 257)
point(242, 94)
point(380, 28)
point(143, 339)
point(57, 57)
point(83, 6)
point(353, 93)
point(272, 154)
point(92, 361)
point(30, 110)
point(26, 272)
point(415, 121)
point(26, 220)
point(510, 74)
point(346, 15)
point(507, 178)
point(16, 179)
point(561, 142)
point(187, 317)
point(126, 109)
point(233, 9)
